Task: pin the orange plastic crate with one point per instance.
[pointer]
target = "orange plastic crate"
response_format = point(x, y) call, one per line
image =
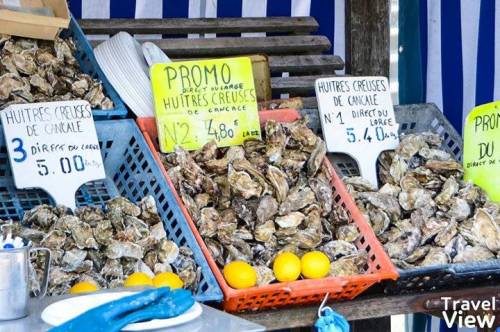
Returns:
point(304, 291)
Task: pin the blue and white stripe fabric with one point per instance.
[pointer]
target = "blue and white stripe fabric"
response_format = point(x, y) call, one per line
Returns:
point(329, 13)
point(460, 54)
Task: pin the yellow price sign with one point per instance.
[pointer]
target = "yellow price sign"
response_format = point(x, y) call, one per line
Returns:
point(482, 148)
point(200, 101)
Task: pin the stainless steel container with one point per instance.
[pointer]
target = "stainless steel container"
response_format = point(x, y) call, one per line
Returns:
point(14, 281)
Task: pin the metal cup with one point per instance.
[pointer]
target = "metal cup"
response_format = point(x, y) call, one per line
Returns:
point(14, 281)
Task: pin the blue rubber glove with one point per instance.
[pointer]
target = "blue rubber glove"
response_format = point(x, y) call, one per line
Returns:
point(161, 303)
point(330, 321)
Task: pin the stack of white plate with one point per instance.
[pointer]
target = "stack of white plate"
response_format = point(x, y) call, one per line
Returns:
point(122, 61)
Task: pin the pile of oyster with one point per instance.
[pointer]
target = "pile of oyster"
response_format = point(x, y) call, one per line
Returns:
point(425, 213)
point(265, 197)
point(34, 71)
point(103, 246)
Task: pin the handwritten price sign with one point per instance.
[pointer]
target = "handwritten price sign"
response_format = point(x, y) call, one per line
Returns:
point(53, 146)
point(200, 101)
point(482, 148)
point(357, 118)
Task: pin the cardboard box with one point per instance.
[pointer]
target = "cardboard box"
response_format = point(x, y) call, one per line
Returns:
point(34, 26)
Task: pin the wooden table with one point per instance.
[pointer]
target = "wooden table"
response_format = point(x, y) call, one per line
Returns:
point(373, 306)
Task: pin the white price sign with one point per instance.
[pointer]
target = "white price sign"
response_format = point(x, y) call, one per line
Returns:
point(357, 118)
point(53, 146)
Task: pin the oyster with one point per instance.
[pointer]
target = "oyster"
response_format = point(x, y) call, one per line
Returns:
point(241, 183)
point(103, 245)
point(473, 254)
point(324, 195)
point(456, 245)
point(418, 254)
point(298, 198)
point(348, 265)
point(208, 222)
point(276, 140)
point(348, 233)
point(338, 248)
point(119, 249)
point(274, 196)
point(265, 275)
point(265, 231)
point(55, 239)
point(40, 71)
point(425, 213)
point(267, 209)
point(301, 133)
point(279, 182)
point(435, 256)
point(167, 251)
point(316, 158)
point(83, 236)
point(292, 219)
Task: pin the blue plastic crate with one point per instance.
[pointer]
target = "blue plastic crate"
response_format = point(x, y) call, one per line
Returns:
point(85, 56)
point(416, 119)
point(131, 172)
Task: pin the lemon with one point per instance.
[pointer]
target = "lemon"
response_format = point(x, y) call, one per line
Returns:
point(83, 287)
point(286, 267)
point(167, 279)
point(240, 275)
point(315, 265)
point(138, 279)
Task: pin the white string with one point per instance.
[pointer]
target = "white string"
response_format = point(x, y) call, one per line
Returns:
point(322, 305)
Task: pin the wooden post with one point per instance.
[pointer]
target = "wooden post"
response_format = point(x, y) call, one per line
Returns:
point(367, 37)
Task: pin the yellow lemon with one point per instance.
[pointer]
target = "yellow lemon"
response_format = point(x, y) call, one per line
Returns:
point(83, 287)
point(315, 265)
point(137, 279)
point(168, 279)
point(240, 275)
point(286, 267)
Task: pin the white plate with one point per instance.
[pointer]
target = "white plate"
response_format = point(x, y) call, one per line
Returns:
point(153, 54)
point(62, 311)
point(122, 60)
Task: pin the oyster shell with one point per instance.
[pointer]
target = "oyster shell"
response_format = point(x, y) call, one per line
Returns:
point(456, 245)
point(40, 71)
point(293, 219)
point(348, 233)
point(208, 222)
point(267, 209)
point(473, 254)
point(119, 249)
point(83, 236)
point(435, 256)
point(323, 193)
point(486, 230)
point(274, 196)
point(102, 245)
point(316, 158)
point(167, 251)
point(434, 216)
point(276, 140)
point(265, 275)
point(338, 248)
point(298, 198)
point(74, 261)
point(264, 231)
point(242, 184)
point(279, 182)
point(348, 265)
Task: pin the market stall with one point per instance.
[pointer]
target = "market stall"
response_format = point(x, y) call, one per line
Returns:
point(230, 182)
